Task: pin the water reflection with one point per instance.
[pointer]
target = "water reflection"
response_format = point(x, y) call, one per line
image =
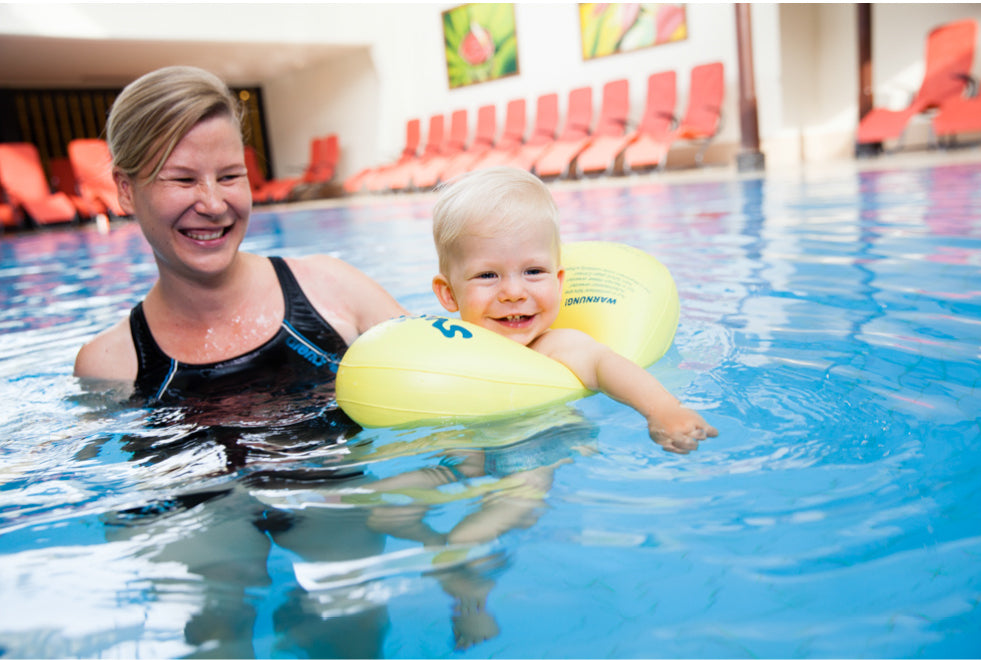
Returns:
point(291, 540)
point(830, 326)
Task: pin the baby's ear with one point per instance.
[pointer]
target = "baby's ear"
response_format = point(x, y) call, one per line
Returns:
point(441, 287)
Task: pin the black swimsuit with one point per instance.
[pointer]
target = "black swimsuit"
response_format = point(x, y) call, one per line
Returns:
point(303, 353)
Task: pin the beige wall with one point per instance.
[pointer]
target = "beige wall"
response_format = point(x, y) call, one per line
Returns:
point(389, 65)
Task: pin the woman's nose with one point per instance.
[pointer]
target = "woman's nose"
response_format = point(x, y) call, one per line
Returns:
point(210, 199)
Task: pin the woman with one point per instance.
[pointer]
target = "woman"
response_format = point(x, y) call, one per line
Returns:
point(215, 315)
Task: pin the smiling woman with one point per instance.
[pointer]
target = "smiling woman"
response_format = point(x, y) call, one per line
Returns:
point(216, 318)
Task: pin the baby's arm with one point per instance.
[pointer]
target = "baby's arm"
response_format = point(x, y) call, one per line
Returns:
point(673, 426)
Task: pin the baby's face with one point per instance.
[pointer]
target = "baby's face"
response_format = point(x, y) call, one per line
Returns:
point(510, 283)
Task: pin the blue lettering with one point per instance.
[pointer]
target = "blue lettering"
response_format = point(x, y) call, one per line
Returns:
point(581, 300)
point(307, 353)
point(450, 332)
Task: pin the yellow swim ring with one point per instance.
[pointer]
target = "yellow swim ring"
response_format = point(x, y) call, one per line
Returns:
point(429, 368)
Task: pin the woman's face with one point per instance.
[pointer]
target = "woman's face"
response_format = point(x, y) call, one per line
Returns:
point(195, 212)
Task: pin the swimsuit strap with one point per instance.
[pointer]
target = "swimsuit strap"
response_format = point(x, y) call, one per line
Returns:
point(304, 342)
point(154, 366)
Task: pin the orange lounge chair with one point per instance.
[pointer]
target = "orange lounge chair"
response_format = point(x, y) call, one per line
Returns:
point(483, 142)
point(62, 179)
point(324, 153)
point(22, 176)
point(260, 185)
point(359, 181)
point(428, 173)
point(10, 216)
point(399, 176)
point(511, 139)
point(574, 137)
point(958, 115)
point(543, 135)
point(704, 112)
point(949, 57)
point(610, 137)
point(92, 164)
point(649, 144)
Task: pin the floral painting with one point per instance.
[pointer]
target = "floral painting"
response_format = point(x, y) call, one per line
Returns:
point(609, 28)
point(480, 42)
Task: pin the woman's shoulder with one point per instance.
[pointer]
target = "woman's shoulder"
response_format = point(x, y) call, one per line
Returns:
point(110, 355)
point(341, 292)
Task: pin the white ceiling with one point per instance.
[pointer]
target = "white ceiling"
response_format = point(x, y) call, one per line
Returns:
point(39, 62)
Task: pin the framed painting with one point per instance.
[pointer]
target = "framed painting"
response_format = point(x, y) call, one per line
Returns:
point(609, 28)
point(481, 43)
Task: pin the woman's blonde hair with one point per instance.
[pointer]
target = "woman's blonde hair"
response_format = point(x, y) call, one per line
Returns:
point(153, 113)
point(498, 197)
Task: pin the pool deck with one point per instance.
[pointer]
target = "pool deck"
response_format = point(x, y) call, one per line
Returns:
point(903, 159)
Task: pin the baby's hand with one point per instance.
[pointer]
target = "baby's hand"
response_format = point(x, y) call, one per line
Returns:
point(680, 429)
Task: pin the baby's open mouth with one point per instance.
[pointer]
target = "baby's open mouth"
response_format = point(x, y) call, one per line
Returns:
point(515, 319)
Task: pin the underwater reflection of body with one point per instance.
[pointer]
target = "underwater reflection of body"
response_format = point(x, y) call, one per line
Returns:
point(223, 507)
point(200, 517)
point(495, 476)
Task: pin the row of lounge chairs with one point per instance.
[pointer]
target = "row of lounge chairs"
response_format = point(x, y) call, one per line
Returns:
point(319, 172)
point(84, 187)
point(615, 146)
point(947, 78)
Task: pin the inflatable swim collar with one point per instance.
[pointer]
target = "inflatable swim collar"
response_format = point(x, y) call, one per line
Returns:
point(428, 368)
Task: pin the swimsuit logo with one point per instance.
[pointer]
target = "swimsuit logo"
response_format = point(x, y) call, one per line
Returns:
point(307, 353)
point(450, 332)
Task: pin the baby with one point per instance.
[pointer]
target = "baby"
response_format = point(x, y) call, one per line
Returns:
point(497, 238)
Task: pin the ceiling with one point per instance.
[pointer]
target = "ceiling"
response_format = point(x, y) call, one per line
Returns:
point(46, 63)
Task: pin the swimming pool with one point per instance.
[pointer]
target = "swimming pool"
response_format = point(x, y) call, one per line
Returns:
point(830, 329)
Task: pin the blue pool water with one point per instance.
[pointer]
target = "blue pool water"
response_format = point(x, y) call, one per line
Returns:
point(830, 329)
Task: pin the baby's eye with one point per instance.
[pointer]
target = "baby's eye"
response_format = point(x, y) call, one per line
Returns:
point(486, 276)
point(535, 271)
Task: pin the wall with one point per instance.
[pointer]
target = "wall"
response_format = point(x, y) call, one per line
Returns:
point(550, 60)
point(390, 67)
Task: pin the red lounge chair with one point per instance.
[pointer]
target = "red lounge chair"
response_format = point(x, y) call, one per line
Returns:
point(62, 179)
point(511, 139)
point(949, 57)
point(92, 164)
point(650, 143)
point(543, 135)
point(610, 137)
point(22, 176)
point(9, 216)
point(574, 137)
point(483, 142)
point(958, 115)
point(399, 176)
point(258, 182)
point(324, 153)
point(704, 111)
point(428, 172)
point(361, 180)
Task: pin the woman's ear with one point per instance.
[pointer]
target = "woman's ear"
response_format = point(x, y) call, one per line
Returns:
point(124, 190)
point(444, 293)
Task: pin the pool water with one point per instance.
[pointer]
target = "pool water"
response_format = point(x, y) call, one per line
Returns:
point(830, 329)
